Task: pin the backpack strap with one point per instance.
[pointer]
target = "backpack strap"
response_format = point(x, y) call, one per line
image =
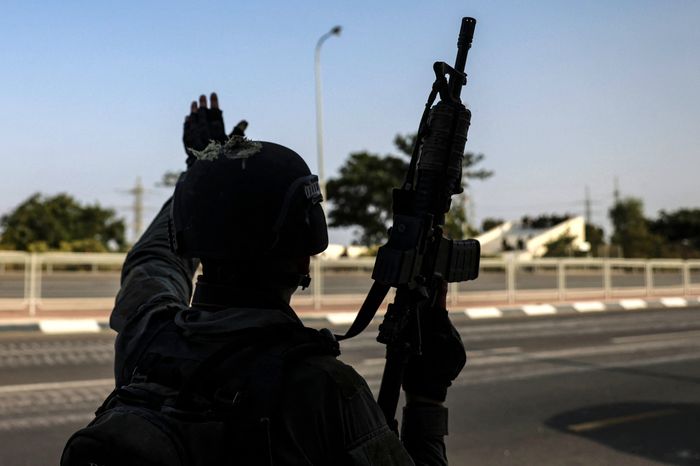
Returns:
point(254, 363)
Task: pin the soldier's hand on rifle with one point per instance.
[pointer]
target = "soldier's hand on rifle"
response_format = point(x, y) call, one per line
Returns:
point(205, 124)
point(429, 374)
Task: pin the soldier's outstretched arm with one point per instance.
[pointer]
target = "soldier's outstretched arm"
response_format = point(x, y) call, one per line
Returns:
point(152, 273)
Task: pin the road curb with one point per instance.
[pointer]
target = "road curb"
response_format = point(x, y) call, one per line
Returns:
point(342, 318)
point(579, 307)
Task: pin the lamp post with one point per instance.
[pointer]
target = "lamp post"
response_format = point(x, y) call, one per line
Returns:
point(319, 106)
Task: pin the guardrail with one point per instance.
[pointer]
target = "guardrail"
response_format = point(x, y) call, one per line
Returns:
point(37, 282)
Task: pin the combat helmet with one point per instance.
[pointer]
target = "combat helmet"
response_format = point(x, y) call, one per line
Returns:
point(245, 200)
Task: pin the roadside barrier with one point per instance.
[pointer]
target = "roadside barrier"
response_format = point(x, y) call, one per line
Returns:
point(54, 281)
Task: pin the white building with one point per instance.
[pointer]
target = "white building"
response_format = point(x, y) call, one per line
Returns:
point(515, 239)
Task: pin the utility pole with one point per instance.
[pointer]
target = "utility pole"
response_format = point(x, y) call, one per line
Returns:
point(137, 207)
point(588, 206)
point(616, 201)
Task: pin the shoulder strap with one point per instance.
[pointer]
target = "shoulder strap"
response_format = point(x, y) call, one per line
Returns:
point(369, 308)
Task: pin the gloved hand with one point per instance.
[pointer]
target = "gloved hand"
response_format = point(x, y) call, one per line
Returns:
point(428, 375)
point(203, 124)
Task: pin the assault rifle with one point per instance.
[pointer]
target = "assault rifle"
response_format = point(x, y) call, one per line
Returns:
point(417, 259)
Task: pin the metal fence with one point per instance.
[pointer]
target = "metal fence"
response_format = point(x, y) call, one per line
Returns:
point(74, 282)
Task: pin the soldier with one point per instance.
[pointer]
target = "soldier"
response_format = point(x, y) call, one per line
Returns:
point(234, 377)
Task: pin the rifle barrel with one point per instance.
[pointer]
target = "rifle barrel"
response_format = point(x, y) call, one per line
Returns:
point(464, 43)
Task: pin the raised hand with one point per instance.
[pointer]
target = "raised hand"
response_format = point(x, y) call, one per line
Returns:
point(203, 125)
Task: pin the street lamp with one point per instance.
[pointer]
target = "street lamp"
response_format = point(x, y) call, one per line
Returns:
point(319, 106)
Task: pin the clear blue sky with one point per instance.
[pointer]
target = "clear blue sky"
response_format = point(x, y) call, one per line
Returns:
point(564, 94)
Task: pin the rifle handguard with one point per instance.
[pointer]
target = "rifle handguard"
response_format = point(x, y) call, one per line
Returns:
point(458, 260)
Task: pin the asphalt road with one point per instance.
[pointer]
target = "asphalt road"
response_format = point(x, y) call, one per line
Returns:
point(596, 389)
point(106, 284)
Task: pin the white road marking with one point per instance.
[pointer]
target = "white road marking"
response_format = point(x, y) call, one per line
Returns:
point(340, 318)
point(603, 423)
point(634, 348)
point(55, 385)
point(69, 326)
point(506, 350)
point(508, 373)
point(45, 421)
point(472, 375)
point(674, 302)
point(483, 312)
point(494, 351)
point(656, 337)
point(633, 304)
point(539, 309)
point(373, 361)
point(589, 306)
point(55, 352)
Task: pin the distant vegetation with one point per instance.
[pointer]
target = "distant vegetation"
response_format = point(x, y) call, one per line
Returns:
point(672, 234)
point(361, 198)
point(60, 223)
point(544, 221)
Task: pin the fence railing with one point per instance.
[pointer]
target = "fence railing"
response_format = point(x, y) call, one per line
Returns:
point(38, 282)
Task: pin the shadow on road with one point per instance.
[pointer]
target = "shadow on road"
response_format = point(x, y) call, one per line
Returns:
point(665, 432)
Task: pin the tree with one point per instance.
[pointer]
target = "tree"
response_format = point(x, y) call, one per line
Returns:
point(631, 230)
point(169, 179)
point(61, 223)
point(490, 223)
point(456, 222)
point(595, 236)
point(560, 247)
point(544, 221)
point(680, 231)
point(361, 194)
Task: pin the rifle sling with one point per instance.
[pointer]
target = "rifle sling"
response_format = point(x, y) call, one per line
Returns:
point(367, 311)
